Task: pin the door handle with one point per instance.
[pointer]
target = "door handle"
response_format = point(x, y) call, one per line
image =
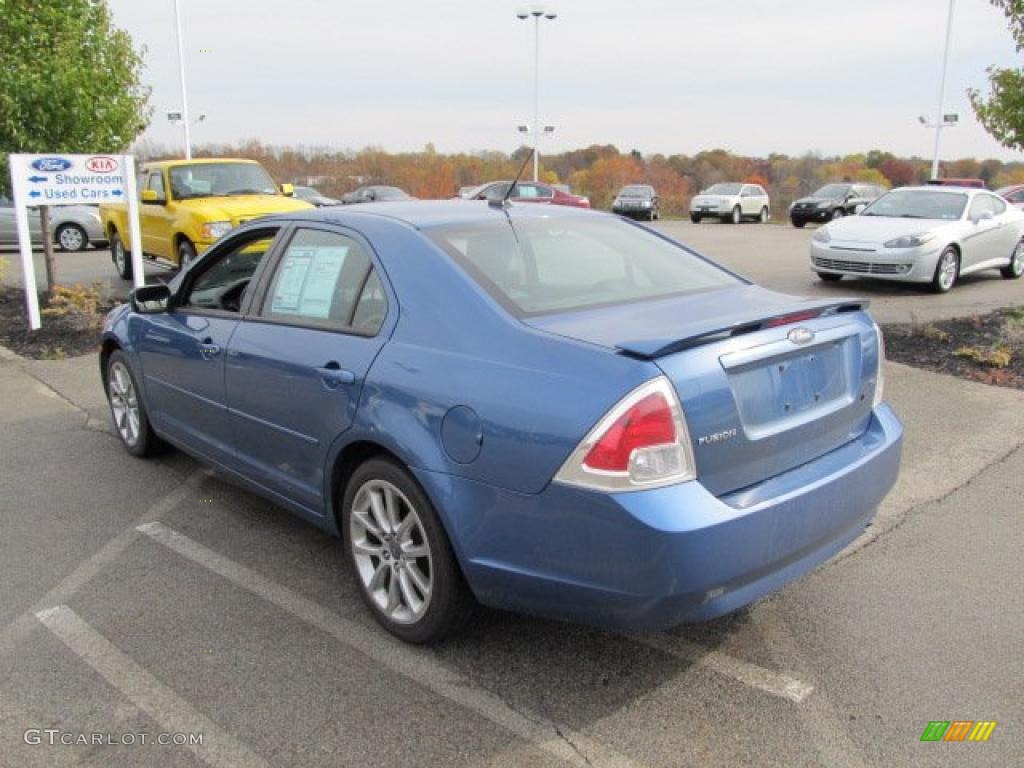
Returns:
point(332, 375)
point(208, 349)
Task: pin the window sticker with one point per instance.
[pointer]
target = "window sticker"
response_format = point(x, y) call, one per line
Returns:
point(307, 281)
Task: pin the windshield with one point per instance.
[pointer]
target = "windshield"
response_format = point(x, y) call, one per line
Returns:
point(724, 189)
point(833, 191)
point(557, 265)
point(919, 204)
point(220, 180)
point(635, 191)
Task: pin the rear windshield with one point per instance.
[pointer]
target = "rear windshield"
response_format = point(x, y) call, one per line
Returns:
point(559, 265)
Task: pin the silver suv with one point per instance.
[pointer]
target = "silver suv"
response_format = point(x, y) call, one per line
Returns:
point(731, 202)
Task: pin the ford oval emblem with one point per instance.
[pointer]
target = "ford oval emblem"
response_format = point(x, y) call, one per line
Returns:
point(801, 336)
point(51, 164)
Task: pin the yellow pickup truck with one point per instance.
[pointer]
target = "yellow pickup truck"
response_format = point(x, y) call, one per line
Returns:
point(185, 205)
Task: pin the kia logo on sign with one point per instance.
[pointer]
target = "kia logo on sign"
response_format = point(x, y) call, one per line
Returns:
point(101, 164)
point(51, 164)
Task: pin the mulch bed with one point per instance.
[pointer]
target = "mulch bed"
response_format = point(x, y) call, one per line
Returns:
point(59, 337)
point(986, 348)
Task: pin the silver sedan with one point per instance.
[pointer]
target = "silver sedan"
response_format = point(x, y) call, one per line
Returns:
point(923, 235)
point(74, 227)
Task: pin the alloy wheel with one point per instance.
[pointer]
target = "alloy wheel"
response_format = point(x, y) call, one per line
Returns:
point(947, 270)
point(119, 258)
point(391, 551)
point(71, 238)
point(1017, 261)
point(124, 403)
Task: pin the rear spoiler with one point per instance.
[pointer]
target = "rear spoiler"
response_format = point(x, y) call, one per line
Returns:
point(648, 349)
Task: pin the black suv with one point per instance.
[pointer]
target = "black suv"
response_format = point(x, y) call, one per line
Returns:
point(638, 201)
point(833, 201)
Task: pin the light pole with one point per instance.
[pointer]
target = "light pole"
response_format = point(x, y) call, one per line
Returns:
point(940, 122)
point(537, 12)
point(184, 93)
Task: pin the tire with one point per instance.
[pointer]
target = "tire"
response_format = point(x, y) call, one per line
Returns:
point(947, 270)
point(829, 277)
point(122, 262)
point(71, 237)
point(763, 218)
point(127, 410)
point(838, 213)
point(1015, 268)
point(419, 599)
point(694, 218)
point(737, 216)
point(798, 224)
point(186, 253)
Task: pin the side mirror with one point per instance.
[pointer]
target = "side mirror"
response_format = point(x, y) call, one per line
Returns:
point(150, 196)
point(984, 216)
point(287, 190)
point(150, 299)
point(858, 208)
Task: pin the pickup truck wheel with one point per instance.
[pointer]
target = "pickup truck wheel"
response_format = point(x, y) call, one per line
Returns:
point(71, 237)
point(186, 254)
point(122, 263)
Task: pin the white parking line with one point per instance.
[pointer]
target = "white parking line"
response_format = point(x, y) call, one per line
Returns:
point(19, 629)
point(413, 663)
point(174, 714)
point(762, 679)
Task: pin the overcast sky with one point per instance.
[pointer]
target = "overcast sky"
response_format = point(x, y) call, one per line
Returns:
point(670, 76)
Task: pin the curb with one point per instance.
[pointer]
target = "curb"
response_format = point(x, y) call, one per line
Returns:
point(9, 355)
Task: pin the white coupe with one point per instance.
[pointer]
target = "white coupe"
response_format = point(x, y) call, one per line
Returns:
point(923, 235)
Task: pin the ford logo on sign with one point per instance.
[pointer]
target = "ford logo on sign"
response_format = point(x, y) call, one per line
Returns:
point(51, 164)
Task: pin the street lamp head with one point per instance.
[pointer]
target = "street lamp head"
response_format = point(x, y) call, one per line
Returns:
point(549, 129)
point(522, 13)
point(524, 128)
point(550, 15)
point(921, 120)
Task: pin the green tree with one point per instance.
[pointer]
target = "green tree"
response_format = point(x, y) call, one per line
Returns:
point(1002, 111)
point(70, 83)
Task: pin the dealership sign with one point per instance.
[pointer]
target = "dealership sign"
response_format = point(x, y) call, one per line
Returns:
point(71, 179)
point(59, 179)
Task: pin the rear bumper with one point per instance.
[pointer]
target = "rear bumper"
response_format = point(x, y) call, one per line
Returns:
point(652, 559)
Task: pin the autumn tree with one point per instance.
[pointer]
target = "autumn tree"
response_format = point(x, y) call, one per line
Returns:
point(1002, 111)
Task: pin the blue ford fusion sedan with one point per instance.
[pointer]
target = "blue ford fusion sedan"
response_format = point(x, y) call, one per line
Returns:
point(547, 410)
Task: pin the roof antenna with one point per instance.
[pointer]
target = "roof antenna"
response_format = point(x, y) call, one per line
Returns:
point(504, 203)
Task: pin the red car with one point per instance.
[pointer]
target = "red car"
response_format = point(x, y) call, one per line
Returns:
point(528, 192)
point(1014, 194)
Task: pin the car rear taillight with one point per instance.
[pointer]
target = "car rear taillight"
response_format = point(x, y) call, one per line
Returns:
point(796, 317)
point(642, 442)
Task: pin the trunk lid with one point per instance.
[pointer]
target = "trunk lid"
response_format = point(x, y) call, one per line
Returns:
point(759, 400)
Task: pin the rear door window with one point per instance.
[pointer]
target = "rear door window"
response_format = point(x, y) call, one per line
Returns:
point(326, 279)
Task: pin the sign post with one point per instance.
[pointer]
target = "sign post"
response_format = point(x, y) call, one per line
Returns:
point(70, 180)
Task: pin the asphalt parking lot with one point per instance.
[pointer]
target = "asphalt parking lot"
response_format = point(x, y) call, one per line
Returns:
point(155, 598)
point(774, 255)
